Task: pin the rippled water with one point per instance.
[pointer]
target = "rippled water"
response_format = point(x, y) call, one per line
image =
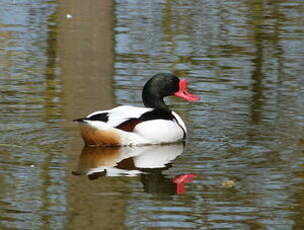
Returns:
point(244, 155)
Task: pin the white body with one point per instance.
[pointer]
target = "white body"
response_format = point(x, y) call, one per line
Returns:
point(155, 131)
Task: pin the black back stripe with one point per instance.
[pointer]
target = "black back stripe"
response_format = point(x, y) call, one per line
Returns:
point(99, 117)
point(79, 119)
point(157, 114)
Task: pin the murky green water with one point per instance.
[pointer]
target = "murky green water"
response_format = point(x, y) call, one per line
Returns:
point(244, 58)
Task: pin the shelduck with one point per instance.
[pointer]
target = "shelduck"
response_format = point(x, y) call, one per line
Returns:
point(128, 125)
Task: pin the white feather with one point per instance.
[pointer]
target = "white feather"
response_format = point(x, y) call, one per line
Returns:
point(154, 131)
point(180, 121)
point(122, 113)
point(159, 131)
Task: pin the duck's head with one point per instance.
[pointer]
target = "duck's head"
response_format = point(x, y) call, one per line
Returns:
point(162, 85)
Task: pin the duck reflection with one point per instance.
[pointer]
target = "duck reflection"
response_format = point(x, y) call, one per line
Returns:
point(146, 161)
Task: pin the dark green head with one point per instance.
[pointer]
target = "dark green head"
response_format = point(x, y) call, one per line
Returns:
point(162, 85)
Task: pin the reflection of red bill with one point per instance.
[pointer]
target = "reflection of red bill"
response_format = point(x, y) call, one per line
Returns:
point(180, 180)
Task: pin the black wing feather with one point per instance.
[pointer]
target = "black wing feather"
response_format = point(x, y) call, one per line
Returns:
point(96, 117)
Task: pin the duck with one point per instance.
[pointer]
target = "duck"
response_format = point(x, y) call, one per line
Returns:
point(128, 125)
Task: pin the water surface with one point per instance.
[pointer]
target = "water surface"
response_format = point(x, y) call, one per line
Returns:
point(244, 59)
